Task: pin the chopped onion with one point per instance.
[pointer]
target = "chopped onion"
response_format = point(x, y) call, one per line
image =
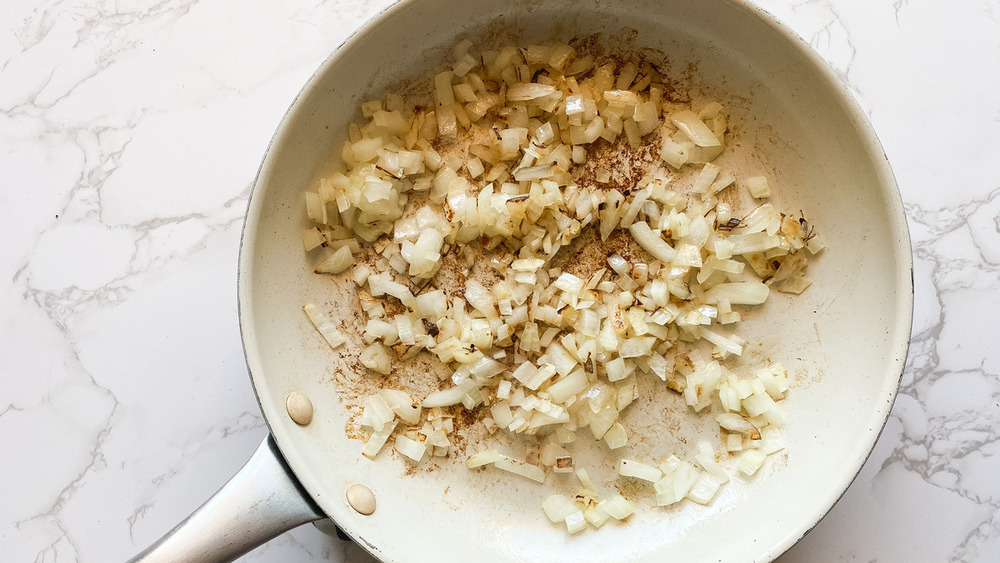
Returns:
point(712, 467)
point(482, 458)
point(751, 461)
point(522, 91)
point(505, 191)
point(519, 467)
point(558, 507)
point(688, 122)
point(405, 406)
point(705, 179)
point(324, 326)
point(338, 261)
point(741, 293)
point(704, 489)
point(631, 468)
point(450, 396)
point(757, 186)
point(678, 478)
point(376, 358)
point(377, 413)
point(534, 172)
point(617, 507)
point(576, 522)
point(616, 437)
point(560, 391)
point(736, 423)
point(651, 242)
point(410, 448)
point(377, 439)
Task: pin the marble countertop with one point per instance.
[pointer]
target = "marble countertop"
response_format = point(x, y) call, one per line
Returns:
point(130, 133)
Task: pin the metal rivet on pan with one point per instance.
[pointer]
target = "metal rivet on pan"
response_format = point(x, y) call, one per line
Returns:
point(361, 498)
point(299, 408)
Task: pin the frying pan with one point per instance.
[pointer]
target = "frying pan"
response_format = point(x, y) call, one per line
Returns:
point(844, 340)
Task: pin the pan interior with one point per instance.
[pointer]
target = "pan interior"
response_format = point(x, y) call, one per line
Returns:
point(844, 339)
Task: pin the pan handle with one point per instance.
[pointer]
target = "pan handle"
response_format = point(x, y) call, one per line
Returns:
point(260, 502)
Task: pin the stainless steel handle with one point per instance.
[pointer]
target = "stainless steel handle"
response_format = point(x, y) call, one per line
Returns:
point(260, 502)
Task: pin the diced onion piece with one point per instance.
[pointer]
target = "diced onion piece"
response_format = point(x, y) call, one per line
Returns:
point(596, 516)
point(815, 244)
point(560, 358)
point(377, 413)
point(621, 97)
point(482, 458)
point(652, 242)
point(524, 91)
point(774, 379)
point(639, 470)
point(705, 179)
point(480, 298)
point(733, 443)
point(724, 345)
point(739, 293)
point(688, 122)
point(557, 457)
point(406, 407)
point(617, 369)
point(576, 522)
point(616, 437)
point(758, 404)
point(410, 448)
point(426, 252)
point(519, 467)
point(796, 283)
point(377, 439)
point(585, 480)
point(315, 208)
point(757, 186)
point(618, 507)
point(771, 440)
point(380, 284)
point(558, 507)
point(723, 181)
point(704, 489)
point(540, 376)
point(311, 238)
point(673, 153)
point(338, 261)
point(679, 476)
point(560, 391)
point(569, 283)
point(751, 461)
point(324, 326)
point(736, 423)
point(503, 389)
point(442, 88)
point(450, 396)
point(376, 358)
point(534, 172)
point(636, 347)
point(753, 242)
point(712, 467)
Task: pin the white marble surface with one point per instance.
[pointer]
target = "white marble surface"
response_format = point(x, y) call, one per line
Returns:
point(130, 132)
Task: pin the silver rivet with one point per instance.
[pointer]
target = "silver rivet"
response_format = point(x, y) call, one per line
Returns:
point(361, 498)
point(299, 408)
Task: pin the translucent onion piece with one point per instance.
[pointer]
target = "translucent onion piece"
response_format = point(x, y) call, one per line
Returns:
point(324, 326)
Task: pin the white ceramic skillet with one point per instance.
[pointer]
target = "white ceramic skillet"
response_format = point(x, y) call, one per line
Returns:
point(844, 339)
